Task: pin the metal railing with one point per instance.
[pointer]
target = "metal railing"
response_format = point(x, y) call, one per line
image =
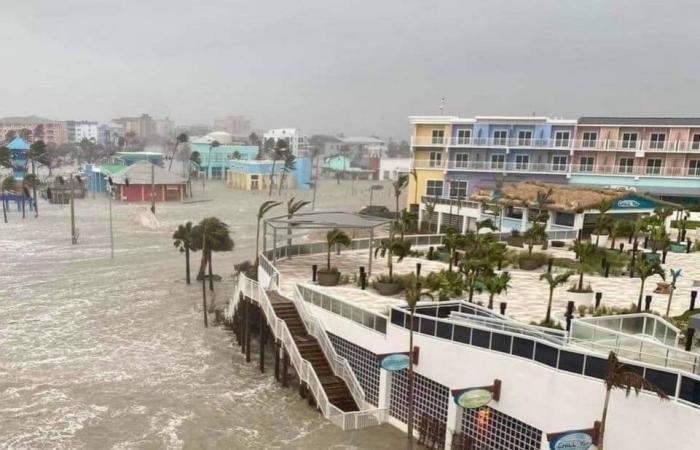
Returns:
point(450, 201)
point(528, 167)
point(270, 270)
point(357, 314)
point(636, 145)
point(680, 384)
point(340, 366)
point(640, 170)
point(464, 141)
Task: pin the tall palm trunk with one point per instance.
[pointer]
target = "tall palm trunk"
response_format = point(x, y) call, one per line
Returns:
point(187, 264)
point(580, 281)
point(601, 432)
point(272, 177)
point(410, 384)
point(36, 204)
point(211, 274)
point(202, 266)
point(170, 166)
point(283, 177)
point(641, 294)
point(257, 245)
point(491, 300)
point(328, 256)
point(4, 207)
point(549, 306)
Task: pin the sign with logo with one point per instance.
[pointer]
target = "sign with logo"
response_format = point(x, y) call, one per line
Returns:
point(395, 362)
point(574, 440)
point(634, 202)
point(474, 398)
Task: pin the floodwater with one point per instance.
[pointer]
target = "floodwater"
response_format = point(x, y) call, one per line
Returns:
point(112, 354)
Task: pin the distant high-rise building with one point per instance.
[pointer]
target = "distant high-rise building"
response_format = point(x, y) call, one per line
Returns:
point(108, 134)
point(165, 127)
point(77, 130)
point(298, 142)
point(143, 126)
point(33, 128)
point(237, 126)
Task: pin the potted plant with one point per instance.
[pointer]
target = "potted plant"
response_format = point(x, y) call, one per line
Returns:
point(586, 253)
point(531, 261)
point(329, 276)
point(388, 284)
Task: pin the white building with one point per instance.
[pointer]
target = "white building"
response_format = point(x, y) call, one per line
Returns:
point(298, 142)
point(391, 168)
point(367, 146)
point(77, 130)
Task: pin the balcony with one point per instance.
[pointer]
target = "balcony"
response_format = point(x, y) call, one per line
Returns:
point(428, 164)
point(450, 201)
point(564, 144)
point(636, 171)
point(429, 141)
point(636, 145)
point(487, 166)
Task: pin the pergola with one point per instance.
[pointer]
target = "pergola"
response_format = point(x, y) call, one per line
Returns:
point(322, 221)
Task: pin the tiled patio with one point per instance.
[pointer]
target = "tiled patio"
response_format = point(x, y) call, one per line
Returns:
point(527, 297)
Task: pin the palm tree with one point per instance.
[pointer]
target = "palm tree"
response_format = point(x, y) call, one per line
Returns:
point(554, 281)
point(603, 222)
point(675, 273)
point(8, 184)
point(290, 165)
point(183, 242)
point(644, 270)
point(333, 238)
point(533, 235)
point(453, 241)
point(399, 185)
point(406, 222)
point(37, 152)
point(618, 376)
point(414, 175)
point(292, 208)
point(5, 157)
point(391, 247)
point(212, 144)
point(430, 209)
point(210, 235)
point(471, 268)
point(278, 152)
point(413, 294)
point(447, 284)
point(264, 208)
point(585, 251)
point(180, 139)
point(496, 285)
point(614, 229)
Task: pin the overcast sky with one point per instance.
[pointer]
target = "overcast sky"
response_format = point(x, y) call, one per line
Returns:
point(357, 66)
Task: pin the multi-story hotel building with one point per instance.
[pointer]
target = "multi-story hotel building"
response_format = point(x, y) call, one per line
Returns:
point(49, 131)
point(453, 156)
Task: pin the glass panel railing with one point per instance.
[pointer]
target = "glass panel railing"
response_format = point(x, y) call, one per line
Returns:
point(343, 308)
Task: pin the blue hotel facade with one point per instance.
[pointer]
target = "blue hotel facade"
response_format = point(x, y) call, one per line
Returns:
point(251, 175)
point(19, 149)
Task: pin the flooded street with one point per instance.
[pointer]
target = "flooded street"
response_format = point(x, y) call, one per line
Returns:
point(112, 354)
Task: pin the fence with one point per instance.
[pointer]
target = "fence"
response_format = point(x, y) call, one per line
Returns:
point(361, 316)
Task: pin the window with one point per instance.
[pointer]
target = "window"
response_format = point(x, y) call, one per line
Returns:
point(498, 161)
point(524, 138)
point(561, 138)
point(653, 166)
point(433, 188)
point(657, 141)
point(458, 189)
point(629, 140)
point(438, 136)
point(696, 142)
point(564, 219)
point(586, 164)
point(626, 165)
point(694, 167)
point(522, 162)
point(461, 160)
point(500, 137)
point(435, 159)
point(463, 136)
point(589, 139)
point(559, 163)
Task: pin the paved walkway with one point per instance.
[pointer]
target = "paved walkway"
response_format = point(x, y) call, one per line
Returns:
point(527, 297)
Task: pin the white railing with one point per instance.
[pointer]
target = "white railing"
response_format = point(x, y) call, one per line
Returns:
point(527, 167)
point(271, 271)
point(450, 201)
point(340, 366)
point(457, 141)
point(640, 170)
point(636, 145)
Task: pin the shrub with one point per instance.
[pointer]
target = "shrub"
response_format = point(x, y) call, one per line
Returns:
point(548, 324)
point(516, 241)
point(586, 289)
point(534, 259)
point(558, 244)
point(567, 263)
point(606, 310)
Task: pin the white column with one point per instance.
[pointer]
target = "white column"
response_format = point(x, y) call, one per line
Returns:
point(454, 418)
point(439, 222)
point(384, 389)
point(465, 223)
point(523, 222)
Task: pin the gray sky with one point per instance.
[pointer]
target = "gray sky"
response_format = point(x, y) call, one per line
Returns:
point(355, 66)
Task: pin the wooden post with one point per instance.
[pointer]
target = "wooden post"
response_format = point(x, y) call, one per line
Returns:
point(302, 389)
point(277, 360)
point(247, 333)
point(263, 332)
point(285, 367)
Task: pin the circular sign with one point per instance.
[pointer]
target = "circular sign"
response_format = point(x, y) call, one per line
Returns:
point(572, 441)
point(474, 398)
point(395, 362)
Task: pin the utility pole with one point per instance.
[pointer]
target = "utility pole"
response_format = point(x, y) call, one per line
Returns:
point(110, 187)
point(74, 236)
point(153, 189)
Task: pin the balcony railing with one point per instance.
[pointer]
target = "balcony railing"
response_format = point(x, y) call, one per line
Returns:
point(636, 145)
point(450, 201)
point(488, 166)
point(638, 171)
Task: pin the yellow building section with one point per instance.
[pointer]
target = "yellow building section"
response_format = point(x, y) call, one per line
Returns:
point(425, 131)
point(253, 181)
point(417, 184)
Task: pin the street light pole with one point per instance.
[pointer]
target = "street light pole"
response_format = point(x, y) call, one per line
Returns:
point(74, 237)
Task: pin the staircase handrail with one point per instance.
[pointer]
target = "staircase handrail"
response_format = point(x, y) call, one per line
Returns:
point(339, 365)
